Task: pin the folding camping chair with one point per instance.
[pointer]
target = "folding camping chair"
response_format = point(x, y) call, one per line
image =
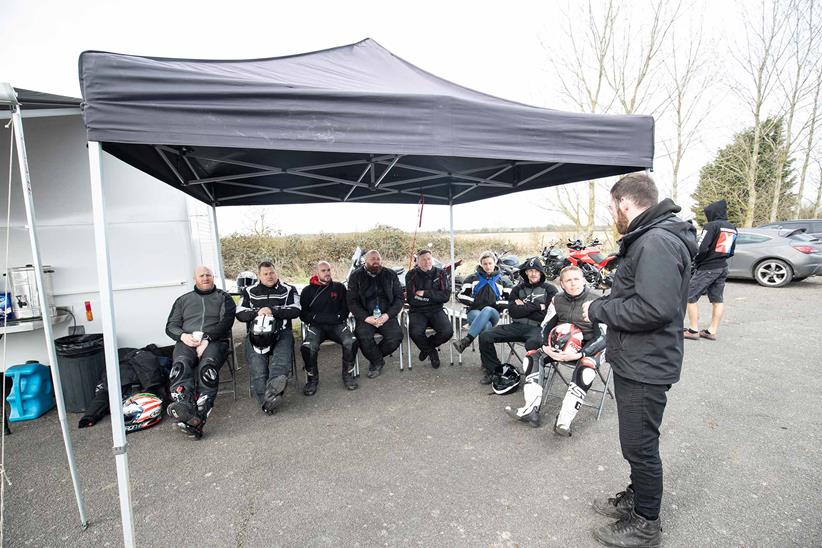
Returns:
point(231, 362)
point(555, 369)
point(406, 323)
point(327, 342)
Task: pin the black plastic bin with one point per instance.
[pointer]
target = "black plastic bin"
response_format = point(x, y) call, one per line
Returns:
point(82, 363)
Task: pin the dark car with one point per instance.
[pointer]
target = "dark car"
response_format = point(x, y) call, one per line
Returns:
point(775, 257)
point(813, 227)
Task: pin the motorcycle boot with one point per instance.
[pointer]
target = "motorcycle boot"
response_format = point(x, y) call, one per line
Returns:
point(274, 393)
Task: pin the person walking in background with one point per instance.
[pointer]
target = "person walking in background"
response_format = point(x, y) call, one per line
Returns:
point(717, 243)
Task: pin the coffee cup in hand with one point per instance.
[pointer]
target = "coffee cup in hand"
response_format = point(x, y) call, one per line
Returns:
point(197, 336)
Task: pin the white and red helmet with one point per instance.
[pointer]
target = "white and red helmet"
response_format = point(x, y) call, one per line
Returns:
point(142, 410)
point(565, 337)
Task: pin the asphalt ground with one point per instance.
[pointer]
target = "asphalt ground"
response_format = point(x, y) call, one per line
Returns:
point(427, 457)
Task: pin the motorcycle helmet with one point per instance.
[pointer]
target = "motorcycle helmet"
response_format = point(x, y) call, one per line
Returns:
point(263, 334)
point(506, 382)
point(245, 279)
point(141, 411)
point(565, 337)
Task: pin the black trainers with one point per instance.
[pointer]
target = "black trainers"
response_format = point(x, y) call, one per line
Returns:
point(423, 355)
point(374, 370)
point(274, 392)
point(631, 530)
point(435, 358)
point(531, 418)
point(462, 344)
point(617, 506)
point(348, 377)
point(311, 386)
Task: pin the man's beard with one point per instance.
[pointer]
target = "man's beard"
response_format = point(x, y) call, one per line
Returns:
point(621, 222)
point(373, 269)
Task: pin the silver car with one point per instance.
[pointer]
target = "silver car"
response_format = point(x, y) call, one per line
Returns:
point(775, 257)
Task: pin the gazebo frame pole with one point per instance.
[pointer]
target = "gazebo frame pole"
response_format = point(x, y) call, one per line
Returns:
point(28, 199)
point(118, 431)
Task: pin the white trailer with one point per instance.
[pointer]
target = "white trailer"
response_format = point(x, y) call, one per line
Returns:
point(156, 234)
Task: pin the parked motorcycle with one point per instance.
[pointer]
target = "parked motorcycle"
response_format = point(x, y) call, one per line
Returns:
point(508, 266)
point(554, 260)
point(597, 268)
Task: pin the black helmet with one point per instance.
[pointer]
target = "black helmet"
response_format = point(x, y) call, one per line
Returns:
point(506, 382)
point(263, 334)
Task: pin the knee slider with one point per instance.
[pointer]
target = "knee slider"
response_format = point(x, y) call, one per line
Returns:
point(584, 377)
point(209, 376)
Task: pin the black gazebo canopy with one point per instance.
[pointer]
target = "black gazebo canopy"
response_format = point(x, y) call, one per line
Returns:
point(348, 124)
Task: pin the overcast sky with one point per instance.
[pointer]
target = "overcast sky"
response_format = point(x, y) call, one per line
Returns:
point(499, 48)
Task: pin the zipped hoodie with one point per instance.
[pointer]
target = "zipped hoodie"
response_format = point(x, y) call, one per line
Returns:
point(645, 308)
point(211, 312)
point(535, 297)
point(324, 303)
point(481, 289)
point(717, 241)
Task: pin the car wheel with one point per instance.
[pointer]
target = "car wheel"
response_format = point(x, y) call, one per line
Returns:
point(773, 273)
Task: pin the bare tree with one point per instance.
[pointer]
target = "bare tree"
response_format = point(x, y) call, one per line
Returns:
point(582, 75)
point(636, 54)
point(809, 143)
point(765, 48)
point(818, 202)
point(257, 223)
point(568, 202)
point(802, 58)
point(691, 79)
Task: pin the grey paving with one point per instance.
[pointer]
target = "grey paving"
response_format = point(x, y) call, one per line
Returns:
point(429, 458)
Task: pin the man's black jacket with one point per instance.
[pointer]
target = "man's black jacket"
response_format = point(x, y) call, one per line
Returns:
point(324, 303)
point(645, 308)
point(281, 298)
point(435, 287)
point(365, 290)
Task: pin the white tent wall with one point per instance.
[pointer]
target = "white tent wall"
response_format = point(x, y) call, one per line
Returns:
point(149, 228)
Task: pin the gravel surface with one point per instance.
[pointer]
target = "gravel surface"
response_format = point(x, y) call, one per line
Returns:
point(427, 457)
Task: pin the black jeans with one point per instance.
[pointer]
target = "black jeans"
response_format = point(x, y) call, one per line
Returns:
point(640, 407)
point(436, 319)
point(530, 334)
point(391, 340)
